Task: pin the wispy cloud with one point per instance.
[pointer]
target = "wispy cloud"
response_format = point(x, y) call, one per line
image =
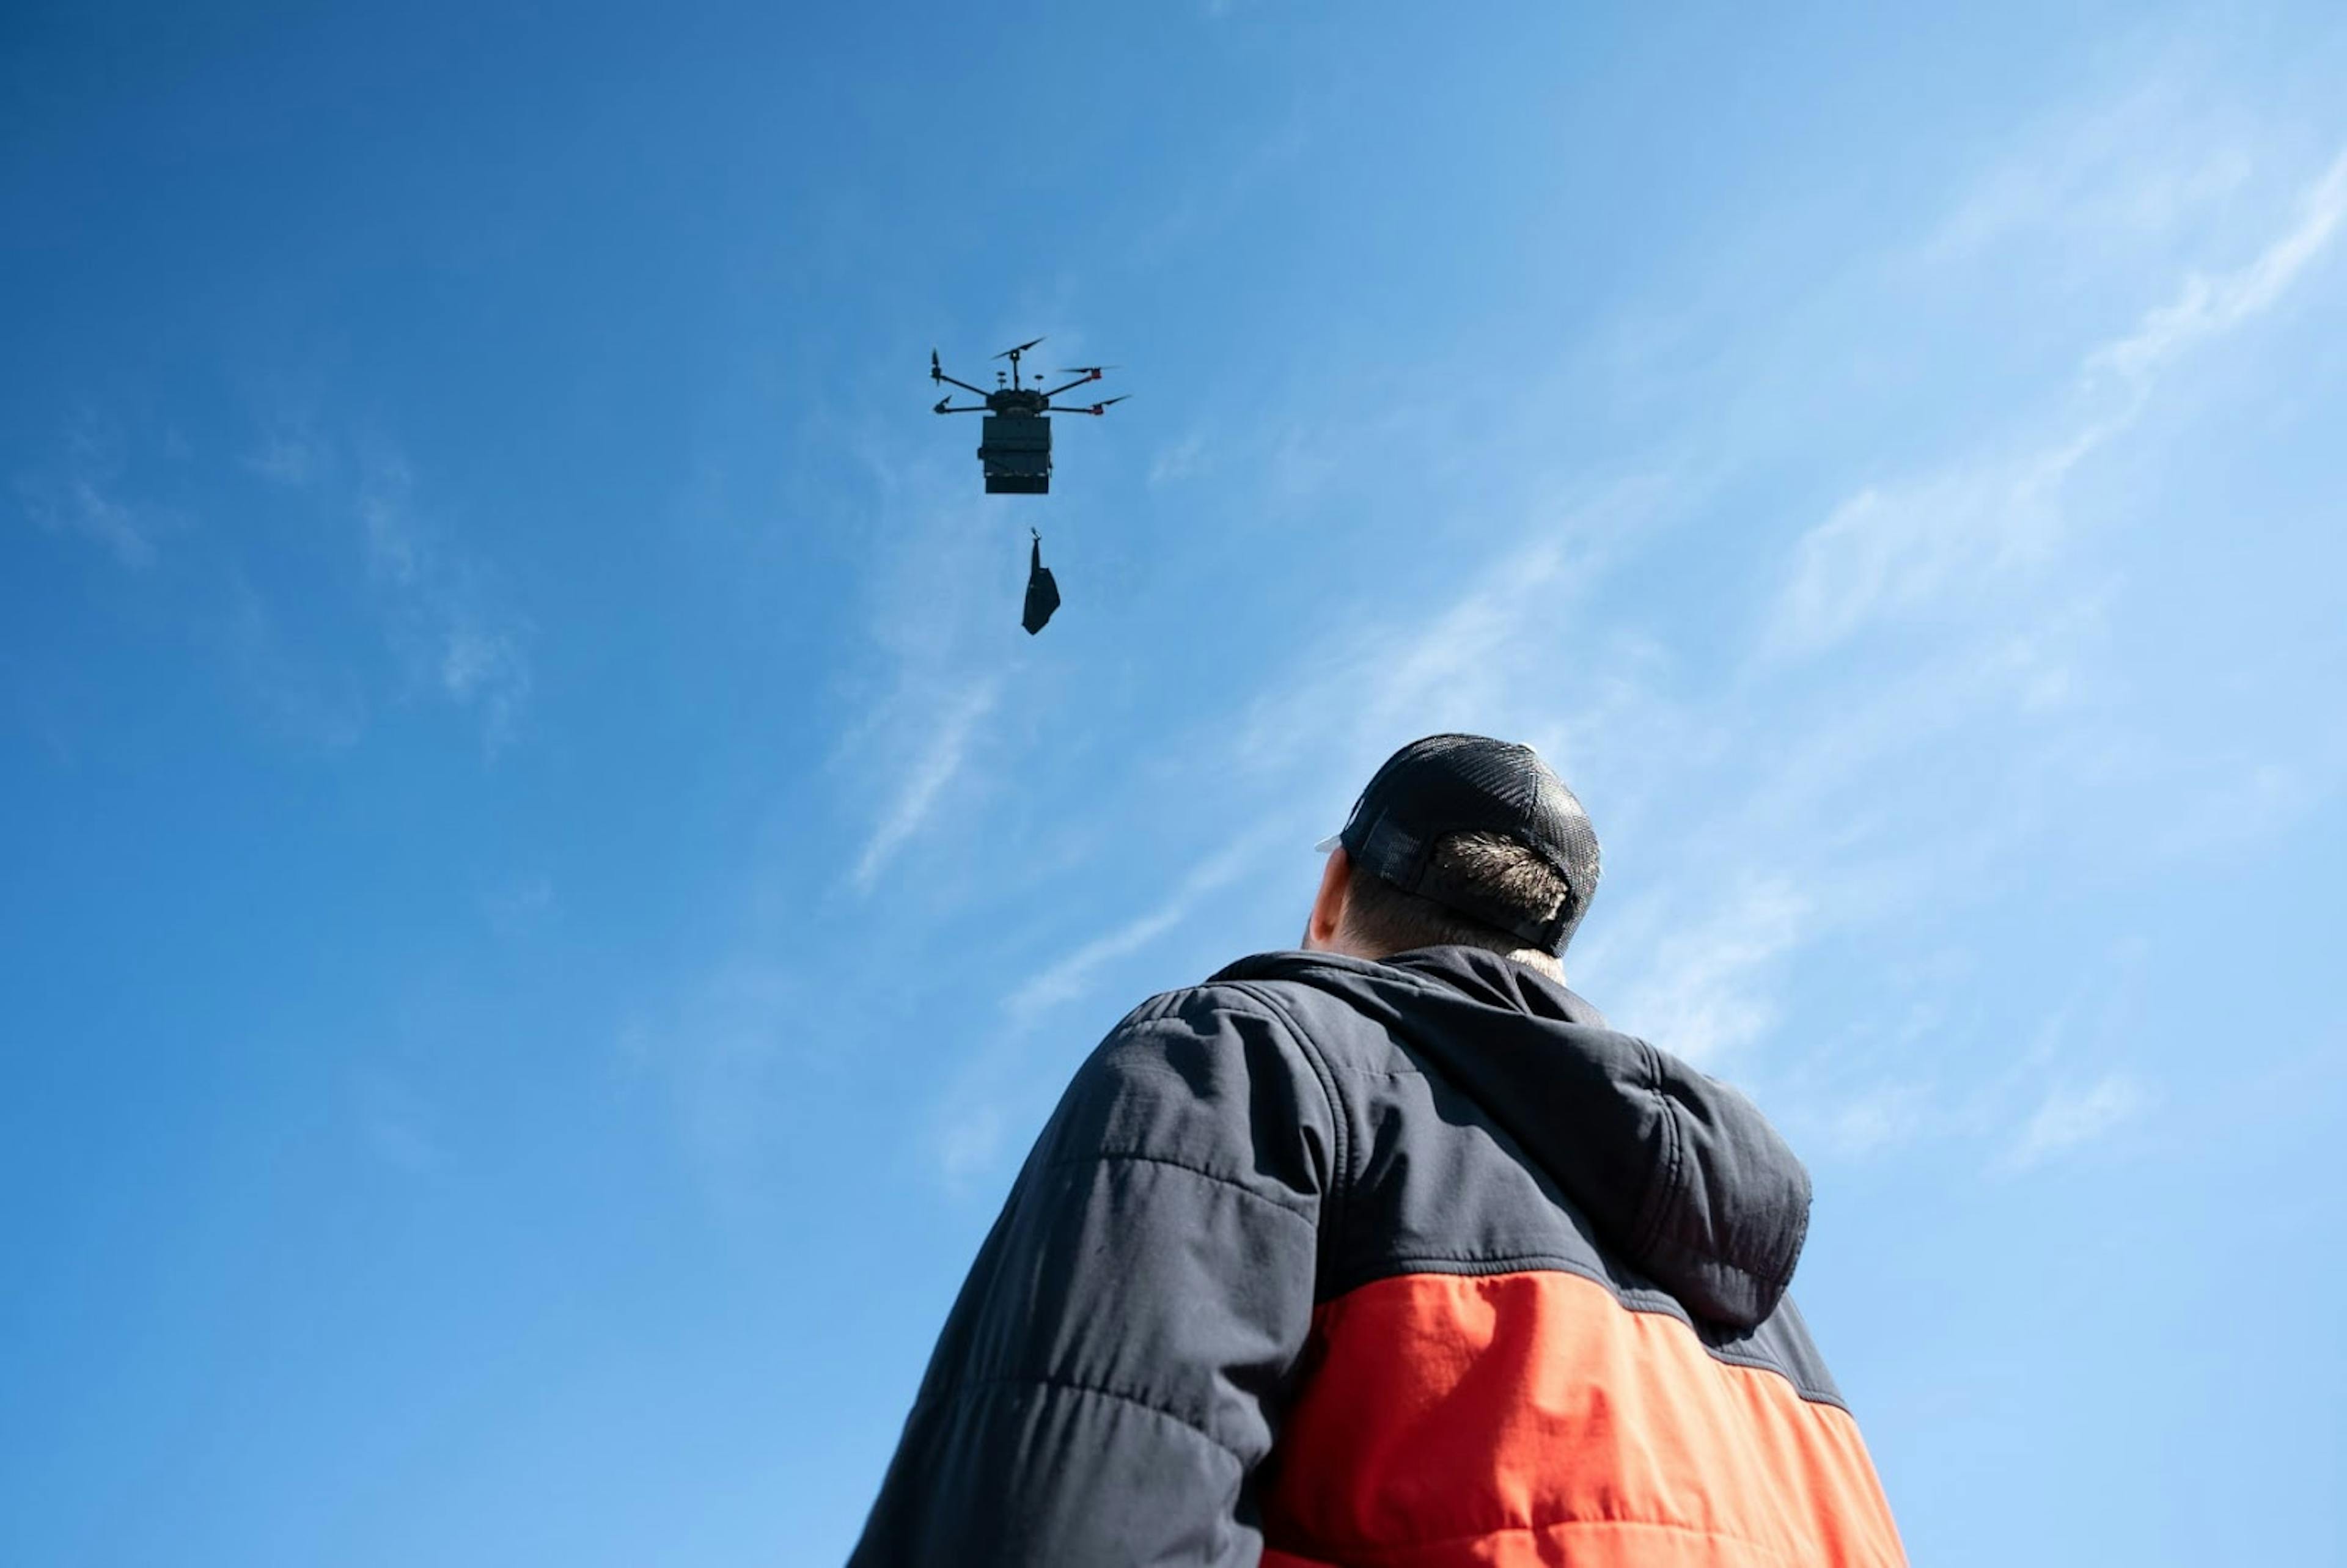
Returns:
point(304, 697)
point(1484, 658)
point(969, 1141)
point(1888, 550)
point(444, 622)
point(1880, 1118)
point(2070, 1118)
point(398, 1127)
point(1887, 1086)
point(730, 1056)
point(290, 454)
point(1069, 976)
point(77, 505)
point(519, 905)
point(483, 666)
point(83, 496)
point(1177, 461)
point(1897, 549)
point(393, 551)
point(2086, 180)
point(1703, 987)
point(2208, 307)
point(936, 766)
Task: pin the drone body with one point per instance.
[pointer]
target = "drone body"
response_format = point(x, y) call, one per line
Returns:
point(1015, 442)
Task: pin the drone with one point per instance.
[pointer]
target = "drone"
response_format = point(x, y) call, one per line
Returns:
point(1015, 443)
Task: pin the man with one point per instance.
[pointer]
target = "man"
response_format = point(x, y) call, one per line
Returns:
point(1390, 1252)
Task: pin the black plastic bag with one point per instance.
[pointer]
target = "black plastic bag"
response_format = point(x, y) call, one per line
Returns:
point(1042, 591)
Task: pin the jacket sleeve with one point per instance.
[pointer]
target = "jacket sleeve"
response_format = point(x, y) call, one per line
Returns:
point(1112, 1374)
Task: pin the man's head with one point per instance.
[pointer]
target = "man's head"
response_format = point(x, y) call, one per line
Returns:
point(1458, 839)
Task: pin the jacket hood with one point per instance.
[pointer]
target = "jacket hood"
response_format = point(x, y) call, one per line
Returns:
point(1679, 1173)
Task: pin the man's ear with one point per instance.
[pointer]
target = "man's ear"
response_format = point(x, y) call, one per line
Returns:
point(1329, 905)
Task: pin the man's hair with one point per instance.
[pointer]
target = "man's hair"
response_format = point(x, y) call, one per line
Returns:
point(1381, 916)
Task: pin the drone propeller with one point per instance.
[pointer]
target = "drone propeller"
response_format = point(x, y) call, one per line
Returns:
point(1102, 407)
point(1085, 369)
point(1022, 348)
point(937, 370)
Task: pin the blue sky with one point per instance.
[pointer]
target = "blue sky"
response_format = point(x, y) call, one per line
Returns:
point(546, 893)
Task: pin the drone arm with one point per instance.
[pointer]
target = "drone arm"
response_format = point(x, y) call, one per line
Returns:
point(1078, 382)
point(945, 406)
point(936, 374)
point(1095, 410)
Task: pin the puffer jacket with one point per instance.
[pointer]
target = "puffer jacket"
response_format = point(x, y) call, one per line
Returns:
point(1407, 1263)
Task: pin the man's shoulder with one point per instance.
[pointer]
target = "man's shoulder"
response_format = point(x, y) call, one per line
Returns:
point(1209, 1078)
point(1213, 1009)
point(1257, 986)
point(1266, 993)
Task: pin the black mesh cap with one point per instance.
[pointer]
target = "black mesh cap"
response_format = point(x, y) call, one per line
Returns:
point(1471, 783)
